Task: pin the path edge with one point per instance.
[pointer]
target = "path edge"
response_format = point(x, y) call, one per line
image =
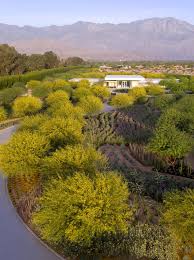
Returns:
point(27, 227)
point(20, 218)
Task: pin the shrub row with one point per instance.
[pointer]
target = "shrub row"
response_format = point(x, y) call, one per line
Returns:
point(142, 240)
point(8, 81)
point(155, 185)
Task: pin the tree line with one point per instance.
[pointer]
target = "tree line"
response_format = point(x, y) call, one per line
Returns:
point(13, 62)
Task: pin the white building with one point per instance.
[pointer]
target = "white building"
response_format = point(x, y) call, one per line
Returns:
point(91, 80)
point(152, 81)
point(123, 81)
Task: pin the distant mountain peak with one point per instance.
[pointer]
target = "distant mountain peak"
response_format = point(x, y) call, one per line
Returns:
point(155, 38)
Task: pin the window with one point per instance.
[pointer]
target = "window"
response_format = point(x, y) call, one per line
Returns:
point(112, 84)
point(124, 84)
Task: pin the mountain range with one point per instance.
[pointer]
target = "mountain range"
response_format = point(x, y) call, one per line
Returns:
point(150, 39)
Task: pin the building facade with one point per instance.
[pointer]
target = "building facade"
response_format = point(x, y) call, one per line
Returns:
point(123, 81)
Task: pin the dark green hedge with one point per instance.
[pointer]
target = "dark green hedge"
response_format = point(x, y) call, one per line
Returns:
point(8, 81)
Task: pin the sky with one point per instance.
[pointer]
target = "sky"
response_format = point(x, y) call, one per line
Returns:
point(60, 12)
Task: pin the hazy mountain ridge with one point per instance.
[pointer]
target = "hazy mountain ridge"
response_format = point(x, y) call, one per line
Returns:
point(155, 38)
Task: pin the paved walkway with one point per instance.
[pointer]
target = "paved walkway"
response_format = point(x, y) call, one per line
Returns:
point(16, 241)
point(108, 108)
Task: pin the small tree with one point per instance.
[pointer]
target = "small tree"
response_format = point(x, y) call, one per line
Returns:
point(170, 117)
point(68, 90)
point(48, 84)
point(32, 123)
point(183, 121)
point(137, 93)
point(164, 101)
point(79, 208)
point(8, 95)
point(3, 114)
point(101, 92)
point(91, 105)
point(178, 215)
point(77, 158)
point(57, 98)
point(155, 90)
point(61, 131)
point(26, 105)
point(41, 92)
point(19, 84)
point(81, 93)
point(33, 84)
point(83, 84)
point(170, 143)
point(74, 61)
point(122, 100)
point(60, 83)
point(22, 155)
point(67, 110)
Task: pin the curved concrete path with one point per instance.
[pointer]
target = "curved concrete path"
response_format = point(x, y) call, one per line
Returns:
point(16, 241)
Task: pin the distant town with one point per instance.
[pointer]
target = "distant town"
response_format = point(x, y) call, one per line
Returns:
point(166, 68)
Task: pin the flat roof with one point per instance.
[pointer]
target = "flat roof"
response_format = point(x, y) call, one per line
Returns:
point(124, 77)
point(89, 79)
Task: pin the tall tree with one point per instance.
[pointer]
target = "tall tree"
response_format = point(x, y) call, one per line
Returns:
point(74, 61)
point(11, 61)
point(51, 60)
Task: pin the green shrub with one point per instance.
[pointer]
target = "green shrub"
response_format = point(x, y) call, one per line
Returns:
point(3, 114)
point(122, 100)
point(81, 93)
point(32, 123)
point(142, 241)
point(23, 152)
point(41, 92)
point(68, 90)
point(8, 81)
point(164, 101)
point(57, 98)
point(178, 215)
point(155, 185)
point(61, 131)
point(101, 91)
point(80, 208)
point(155, 90)
point(19, 85)
point(137, 92)
point(67, 110)
point(170, 143)
point(7, 96)
point(74, 158)
point(83, 84)
point(26, 105)
point(33, 84)
point(91, 105)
